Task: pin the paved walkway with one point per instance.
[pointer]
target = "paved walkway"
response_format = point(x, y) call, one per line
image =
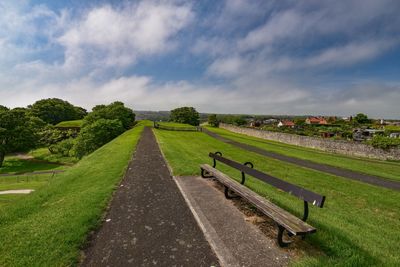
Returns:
point(236, 241)
point(149, 222)
point(366, 178)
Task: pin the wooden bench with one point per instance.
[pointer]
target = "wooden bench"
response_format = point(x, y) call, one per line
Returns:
point(284, 220)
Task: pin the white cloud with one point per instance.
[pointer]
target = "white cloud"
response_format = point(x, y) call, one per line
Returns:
point(118, 36)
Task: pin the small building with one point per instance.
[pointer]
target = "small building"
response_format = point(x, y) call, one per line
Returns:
point(316, 120)
point(365, 134)
point(270, 121)
point(286, 123)
point(394, 135)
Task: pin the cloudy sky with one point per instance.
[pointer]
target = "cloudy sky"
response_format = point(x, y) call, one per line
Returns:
point(233, 56)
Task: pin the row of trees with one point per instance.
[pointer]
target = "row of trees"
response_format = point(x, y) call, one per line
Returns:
point(22, 129)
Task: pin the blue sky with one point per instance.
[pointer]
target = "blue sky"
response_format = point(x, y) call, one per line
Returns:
point(234, 56)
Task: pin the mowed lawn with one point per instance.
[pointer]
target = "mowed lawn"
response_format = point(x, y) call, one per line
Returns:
point(22, 182)
point(386, 169)
point(17, 165)
point(358, 226)
point(50, 226)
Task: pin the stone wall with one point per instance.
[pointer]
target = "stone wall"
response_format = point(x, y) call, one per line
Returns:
point(335, 146)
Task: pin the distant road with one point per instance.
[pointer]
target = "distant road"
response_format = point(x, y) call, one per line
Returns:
point(366, 178)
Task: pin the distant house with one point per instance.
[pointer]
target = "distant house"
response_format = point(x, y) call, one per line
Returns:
point(394, 135)
point(270, 121)
point(286, 123)
point(255, 124)
point(316, 120)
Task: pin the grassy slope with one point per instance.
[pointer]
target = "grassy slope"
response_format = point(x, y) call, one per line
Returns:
point(385, 169)
point(75, 123)
point(359, 225)
point(49, 227)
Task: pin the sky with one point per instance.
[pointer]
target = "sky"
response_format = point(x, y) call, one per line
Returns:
point(235, 56)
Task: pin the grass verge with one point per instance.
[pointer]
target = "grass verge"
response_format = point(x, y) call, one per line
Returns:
point(359, 225)
point(49, 227)
point(385, 169)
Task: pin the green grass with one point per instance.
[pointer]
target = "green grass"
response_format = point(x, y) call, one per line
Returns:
point(45, 155)
point(67, 124)
point(16, 165)
point(21, 182)
point(49, 227)
point(359, 225)
point(385, 169)
point(175, 124)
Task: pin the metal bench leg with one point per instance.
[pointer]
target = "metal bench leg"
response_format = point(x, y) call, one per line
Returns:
point(203, 174)
point(282, 243)
point(227, 193)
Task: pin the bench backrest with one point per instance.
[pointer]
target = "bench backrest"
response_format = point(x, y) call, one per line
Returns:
point(302, 193)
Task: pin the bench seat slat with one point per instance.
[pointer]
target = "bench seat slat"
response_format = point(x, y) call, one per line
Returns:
point(292, 224)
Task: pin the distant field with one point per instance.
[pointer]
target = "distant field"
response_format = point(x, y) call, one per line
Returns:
point(359, 225)
point(66, 124)
point(50, 226)
point(385, 169)
point(175, 124)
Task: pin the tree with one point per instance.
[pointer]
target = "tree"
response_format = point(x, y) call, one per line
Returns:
point(187, 115)
point(3, 108)
point(213, 121)
point(18, 132)
point(54, 110)
point(95, 135)
point(114, 111)
point(361, 118)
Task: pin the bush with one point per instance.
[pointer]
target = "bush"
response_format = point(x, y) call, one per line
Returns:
point(64, 148)
point(95, 135)
point(213, 121)
point(384, 142)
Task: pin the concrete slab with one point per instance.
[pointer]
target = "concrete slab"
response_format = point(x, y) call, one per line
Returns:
point(19, 191)
point(236, 241)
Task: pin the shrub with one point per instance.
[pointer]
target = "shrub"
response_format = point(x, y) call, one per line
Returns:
point(384, 142)
point(213, 121)
point(95, 135)
point(64, 148)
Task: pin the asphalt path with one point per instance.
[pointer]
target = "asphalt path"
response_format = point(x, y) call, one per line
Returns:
point(149, 222)
point(366, 178)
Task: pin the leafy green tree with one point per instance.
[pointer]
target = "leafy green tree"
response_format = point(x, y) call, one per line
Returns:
point(3, 108)
point(213, 121)
point(96, 134)
point(114, 111)
point(18, 132)
point(361, 118)
point(54, 110)
point(187, 115)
